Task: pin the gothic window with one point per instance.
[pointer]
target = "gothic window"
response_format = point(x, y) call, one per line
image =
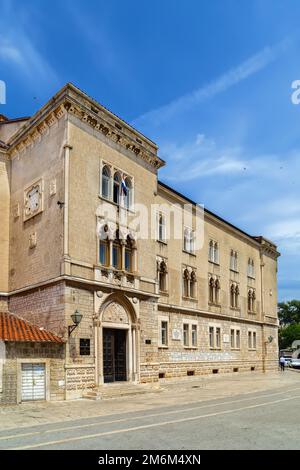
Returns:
point(234, 295)
point(128, 254)
point(117, 187)
point(162, 276)
point(250, 269)
point(213, 253)
point(106, 182)
point(128, 195)
point(211, 290)
point(214, 290)
point(104, 252)
point(161, 228)
point(234, 261)
point(186, 283)
point(251, 300)
point(188, 240)
point(193, 285)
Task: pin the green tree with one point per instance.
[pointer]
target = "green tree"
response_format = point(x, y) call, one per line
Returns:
point(289, 312)
point(288, 334)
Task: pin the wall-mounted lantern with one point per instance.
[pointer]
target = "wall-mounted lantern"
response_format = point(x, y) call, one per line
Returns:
point(76, 318)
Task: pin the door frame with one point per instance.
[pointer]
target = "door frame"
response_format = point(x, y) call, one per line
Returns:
point(126, 353)
point(46, 362)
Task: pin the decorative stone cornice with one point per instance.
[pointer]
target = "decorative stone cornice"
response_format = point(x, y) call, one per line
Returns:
point(36, 132)
point(114, 133)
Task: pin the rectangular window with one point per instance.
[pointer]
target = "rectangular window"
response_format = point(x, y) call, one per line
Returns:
point(211, 337)
point(218, 338)
point(103, 252)
point(249, 340)
point(194, 336)
point(186, 334)
point(128, 260)
point(238, 339)
point(164, 333)
point(254, 340)
point(116, 258)
point(232, 339)
point(85, 347)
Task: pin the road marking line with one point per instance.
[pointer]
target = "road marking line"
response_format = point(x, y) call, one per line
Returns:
point(133, 418)
point(153, 425)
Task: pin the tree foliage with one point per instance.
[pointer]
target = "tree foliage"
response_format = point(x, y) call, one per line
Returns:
point(289, 318)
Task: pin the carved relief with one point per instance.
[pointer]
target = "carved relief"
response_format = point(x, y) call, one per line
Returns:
point(115, 313)
point(33, 200)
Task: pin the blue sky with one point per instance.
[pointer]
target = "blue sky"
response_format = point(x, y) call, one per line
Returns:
point(209, 81)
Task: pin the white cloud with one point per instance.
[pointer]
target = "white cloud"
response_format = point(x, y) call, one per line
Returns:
point(230, 78)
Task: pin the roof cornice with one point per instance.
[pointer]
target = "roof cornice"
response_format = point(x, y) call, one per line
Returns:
point(72, 101)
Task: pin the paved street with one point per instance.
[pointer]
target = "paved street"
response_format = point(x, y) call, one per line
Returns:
point(266, 418)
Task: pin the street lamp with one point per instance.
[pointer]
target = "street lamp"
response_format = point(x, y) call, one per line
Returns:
point(76, 318)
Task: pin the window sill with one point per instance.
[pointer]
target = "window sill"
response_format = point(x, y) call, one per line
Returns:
point(193, 299)
point(251, 313)
point(191, 253)
point(215, 349)
point(110, 201)
point(235, 349)
point(190, 347)
point(164, 293)
point(251, 349)
point(251, 277)
point(234, 271)
point(163, 242)
point(213, 304)
point(213, 262)
point(161, 346)
point(235, 309)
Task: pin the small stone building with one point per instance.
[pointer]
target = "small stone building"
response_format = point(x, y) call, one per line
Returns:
point(31, 362)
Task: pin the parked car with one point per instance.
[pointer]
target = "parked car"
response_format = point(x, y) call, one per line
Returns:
point(288, 361)
point(295, 363)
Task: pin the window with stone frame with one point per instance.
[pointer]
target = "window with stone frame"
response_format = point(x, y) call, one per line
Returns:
point(106, 182)
point(214, 288)
point(161, 228)
point(234, 261)
point(251, 339)
point(234, 295)
point(213, 252)
point(188, 240)
point(235, 338)
point(251, 301)
point(214, 337)
point(194, 335)
point(104, 252)
point(251, 268)
point(164, 332)
point(186, 334)
point(189, 280)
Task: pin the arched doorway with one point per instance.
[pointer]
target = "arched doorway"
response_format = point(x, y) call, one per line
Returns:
point(117, 337)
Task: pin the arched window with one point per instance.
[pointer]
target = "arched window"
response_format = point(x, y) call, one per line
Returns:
point(237, 294)
point(161, 227)
point(186, 283)
point(193, 285)
point(128, 195)
point(106, 182)
point(117, 252)
point(128, 253)
point(162, 276)
point(232, 296)
point(211, 290)
point(211, 251)
point(217, 291)
point(251, 300)
point(117, 187)
point(216, 253)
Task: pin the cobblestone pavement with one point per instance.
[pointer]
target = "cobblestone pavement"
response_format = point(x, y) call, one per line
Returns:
point(171, 393)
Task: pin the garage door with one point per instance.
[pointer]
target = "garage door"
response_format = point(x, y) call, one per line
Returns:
point(33, 382)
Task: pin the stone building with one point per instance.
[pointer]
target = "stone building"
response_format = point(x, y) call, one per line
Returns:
point(160, 287)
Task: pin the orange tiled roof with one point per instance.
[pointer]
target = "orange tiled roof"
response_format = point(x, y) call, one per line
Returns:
point(13, 328)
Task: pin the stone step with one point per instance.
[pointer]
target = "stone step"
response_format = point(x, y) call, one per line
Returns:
point(106, 392)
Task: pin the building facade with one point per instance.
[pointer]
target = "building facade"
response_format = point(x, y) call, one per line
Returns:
point(162, 288)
